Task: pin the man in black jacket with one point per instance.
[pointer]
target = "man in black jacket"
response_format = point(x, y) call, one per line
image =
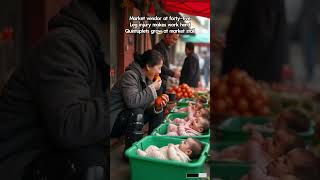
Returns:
point(190, 72)
point(53, 120)
point(163, 47)
point(257, 39)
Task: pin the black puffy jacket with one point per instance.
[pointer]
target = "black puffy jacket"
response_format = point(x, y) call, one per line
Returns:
point(57, 97)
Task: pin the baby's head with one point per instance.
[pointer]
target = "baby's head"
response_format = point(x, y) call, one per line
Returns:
point(204, 112)
point(282, 142)
point(191, 147)
point(294, 119)
point(298, 162)
point(200, 124)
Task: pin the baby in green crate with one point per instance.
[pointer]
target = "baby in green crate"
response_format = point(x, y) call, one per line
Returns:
point(194, 127)
point(262, 149)
point(293, 119)
point(185, 151)
point(298, 164)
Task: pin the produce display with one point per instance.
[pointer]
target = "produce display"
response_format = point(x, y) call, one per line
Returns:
point(237, 94)
point(181, 91)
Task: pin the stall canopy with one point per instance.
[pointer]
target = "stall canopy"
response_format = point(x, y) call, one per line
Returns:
point(192, 7)
point(198, 38)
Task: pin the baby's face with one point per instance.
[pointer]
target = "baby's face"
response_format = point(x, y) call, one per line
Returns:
point(284, 165)
point(185, 146)
point(276, 146)
point(196, 124)
point(197, 114)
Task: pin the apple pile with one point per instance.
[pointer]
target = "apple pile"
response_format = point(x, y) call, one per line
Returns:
point(238, 94)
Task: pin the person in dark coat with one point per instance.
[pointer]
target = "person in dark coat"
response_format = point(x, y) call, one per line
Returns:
point(133, 94)
point(190, 72)
point(256, 40)
point(206, 68)
point(53, 110)
point(164, 48)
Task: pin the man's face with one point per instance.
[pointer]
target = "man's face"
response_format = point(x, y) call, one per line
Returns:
point(171, 39)
point(187, 51)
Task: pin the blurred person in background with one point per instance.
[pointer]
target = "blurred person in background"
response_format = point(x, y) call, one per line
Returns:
point(307, 26)
point(190, 72)
point(256, 40)
point(205, 71)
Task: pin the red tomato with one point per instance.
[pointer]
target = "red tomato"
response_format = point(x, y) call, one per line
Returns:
point(229, 102)
point(179, 94)
point(257, 104)
point(247, 114)
point(158, 101)
point(221, 90)
point(236, 77)
point(236, 91)
point(219, 106)
point(264, 111)
point(251, 92)
point(242, 105)
point(234, 113)
point(184, 85)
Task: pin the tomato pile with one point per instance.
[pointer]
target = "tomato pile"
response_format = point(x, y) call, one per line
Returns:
point(237, 94)
point(182, 91)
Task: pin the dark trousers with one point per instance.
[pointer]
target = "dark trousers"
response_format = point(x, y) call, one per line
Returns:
point(120, 126)
point(88, 163)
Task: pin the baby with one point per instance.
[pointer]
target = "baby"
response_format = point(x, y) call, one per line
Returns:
point(194, 127)
point(263, 150)
point(293, 119)
point(192, 113)
point(196, 110)
point(184, 152)
point(296, 164)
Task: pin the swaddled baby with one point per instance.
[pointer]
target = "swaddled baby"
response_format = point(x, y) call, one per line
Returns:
point(184, 152)
point(194, 127)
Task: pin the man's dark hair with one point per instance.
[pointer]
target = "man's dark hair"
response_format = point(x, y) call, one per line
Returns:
point(190, 46)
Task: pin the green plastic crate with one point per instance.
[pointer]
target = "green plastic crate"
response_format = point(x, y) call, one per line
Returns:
point(185, 101)
point(227, 170)
point(231, 129)
point(185, 105)
point(172, 116)
point(162, 130)
point(145, 168)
